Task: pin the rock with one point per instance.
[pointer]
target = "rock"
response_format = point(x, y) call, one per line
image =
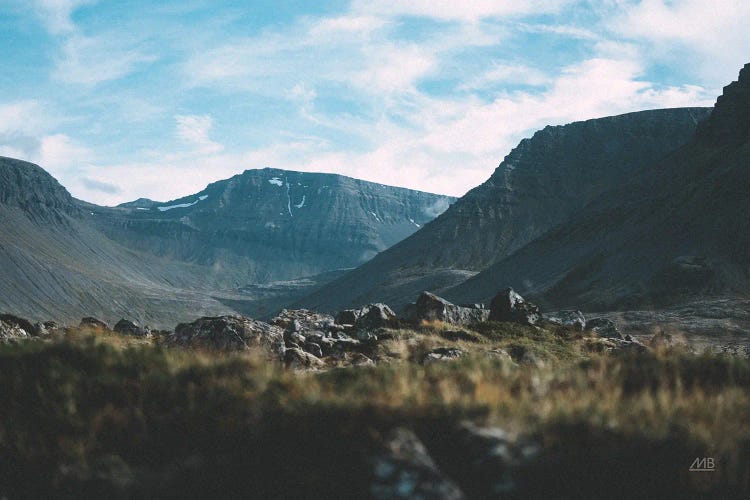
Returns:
point(574, 319)
point(604, 328)
point(294, 338)
point(313, 348)
point(511, 307)
point(404, 469)
point(366, 336)
point(442, 354)
point(127, 327)
point(300, 360)
point(228, 333)
point(21, 323)
point(489, 460)
point(93, 323)
point(348, 317)
point(615, 345)
point(11, 333)
point(303, 321)
point(358, 359)
point(48, 328)
point(375, 316)
point(430, 307)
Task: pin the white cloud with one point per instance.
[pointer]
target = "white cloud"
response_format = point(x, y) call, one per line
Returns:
point(92, 60)
point(58, 153)
point(194, 129)
point(56, 14)
point(499, 73)
point(458, 11)
point(713, 34)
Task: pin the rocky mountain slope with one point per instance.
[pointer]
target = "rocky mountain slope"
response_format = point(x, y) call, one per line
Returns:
point(539, 185)
point(173, 262)
point(677, 230)
point(268, 225)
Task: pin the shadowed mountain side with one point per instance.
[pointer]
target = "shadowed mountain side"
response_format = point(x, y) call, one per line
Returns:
point(539, 185)
point(268, 225)
point(677, 231)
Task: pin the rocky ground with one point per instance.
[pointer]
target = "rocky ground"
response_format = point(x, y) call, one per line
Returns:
point(447, 401)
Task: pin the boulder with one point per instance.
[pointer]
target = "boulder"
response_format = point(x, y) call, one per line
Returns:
point(442, 354)
point(367, 317)
point(228, 333)
point(375, 316)
point(348, 317)
point(300, 360)
point(604, 328)
point(491, 461)
point(430, 307)
point(303, 321)
point(511, 307)
point(11, 333)
point(573, 319)
point(21, 323)
point(403, 468)
point(93, 323)
point(127, 327)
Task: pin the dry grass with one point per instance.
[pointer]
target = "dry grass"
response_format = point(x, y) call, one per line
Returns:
point(97, 394)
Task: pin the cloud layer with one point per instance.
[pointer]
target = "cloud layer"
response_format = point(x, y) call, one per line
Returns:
point(423, 94)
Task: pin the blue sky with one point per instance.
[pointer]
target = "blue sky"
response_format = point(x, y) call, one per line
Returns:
point(123, 99)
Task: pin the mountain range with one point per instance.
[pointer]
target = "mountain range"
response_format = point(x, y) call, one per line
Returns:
point(221, 250)
point(644, 210)
point(636, 211)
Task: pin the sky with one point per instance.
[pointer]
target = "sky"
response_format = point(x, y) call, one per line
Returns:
point(127, 99)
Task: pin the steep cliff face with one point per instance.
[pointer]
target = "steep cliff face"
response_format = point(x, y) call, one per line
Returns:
point(539, 185)
point(677, 230)
point(265, 225)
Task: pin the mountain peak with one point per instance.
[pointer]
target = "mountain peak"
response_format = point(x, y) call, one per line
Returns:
point(729, 123)
point(29, 187)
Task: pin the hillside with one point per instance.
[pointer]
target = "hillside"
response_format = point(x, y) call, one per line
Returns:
point(268, 225)
point(57, 260)
point(540, 184)
point(676, 231)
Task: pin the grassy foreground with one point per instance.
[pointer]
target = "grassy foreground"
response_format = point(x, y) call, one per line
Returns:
point(93, 414)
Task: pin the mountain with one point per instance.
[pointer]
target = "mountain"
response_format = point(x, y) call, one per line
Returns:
point(54, 264)
point(173, 262)
point(269, 225)
point(539, 185)
point(678, 230)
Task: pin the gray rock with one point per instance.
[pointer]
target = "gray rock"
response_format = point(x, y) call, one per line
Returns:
point(604, 328)
point(127, 327)
point(375, 316)
point(300, 360)
point(430, 307)
point(228, 333)
point(511, 307)
point(93, 323)
point(303, 321)
point(367, 317)
point(442, 354)
point(574, 319)
point(314, 349)
point(404, 469)
point(348, 317)
point(489, 459)
point(11, 333)
point(358, 359)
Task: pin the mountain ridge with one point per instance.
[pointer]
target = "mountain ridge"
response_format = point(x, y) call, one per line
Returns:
point(539, 184)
